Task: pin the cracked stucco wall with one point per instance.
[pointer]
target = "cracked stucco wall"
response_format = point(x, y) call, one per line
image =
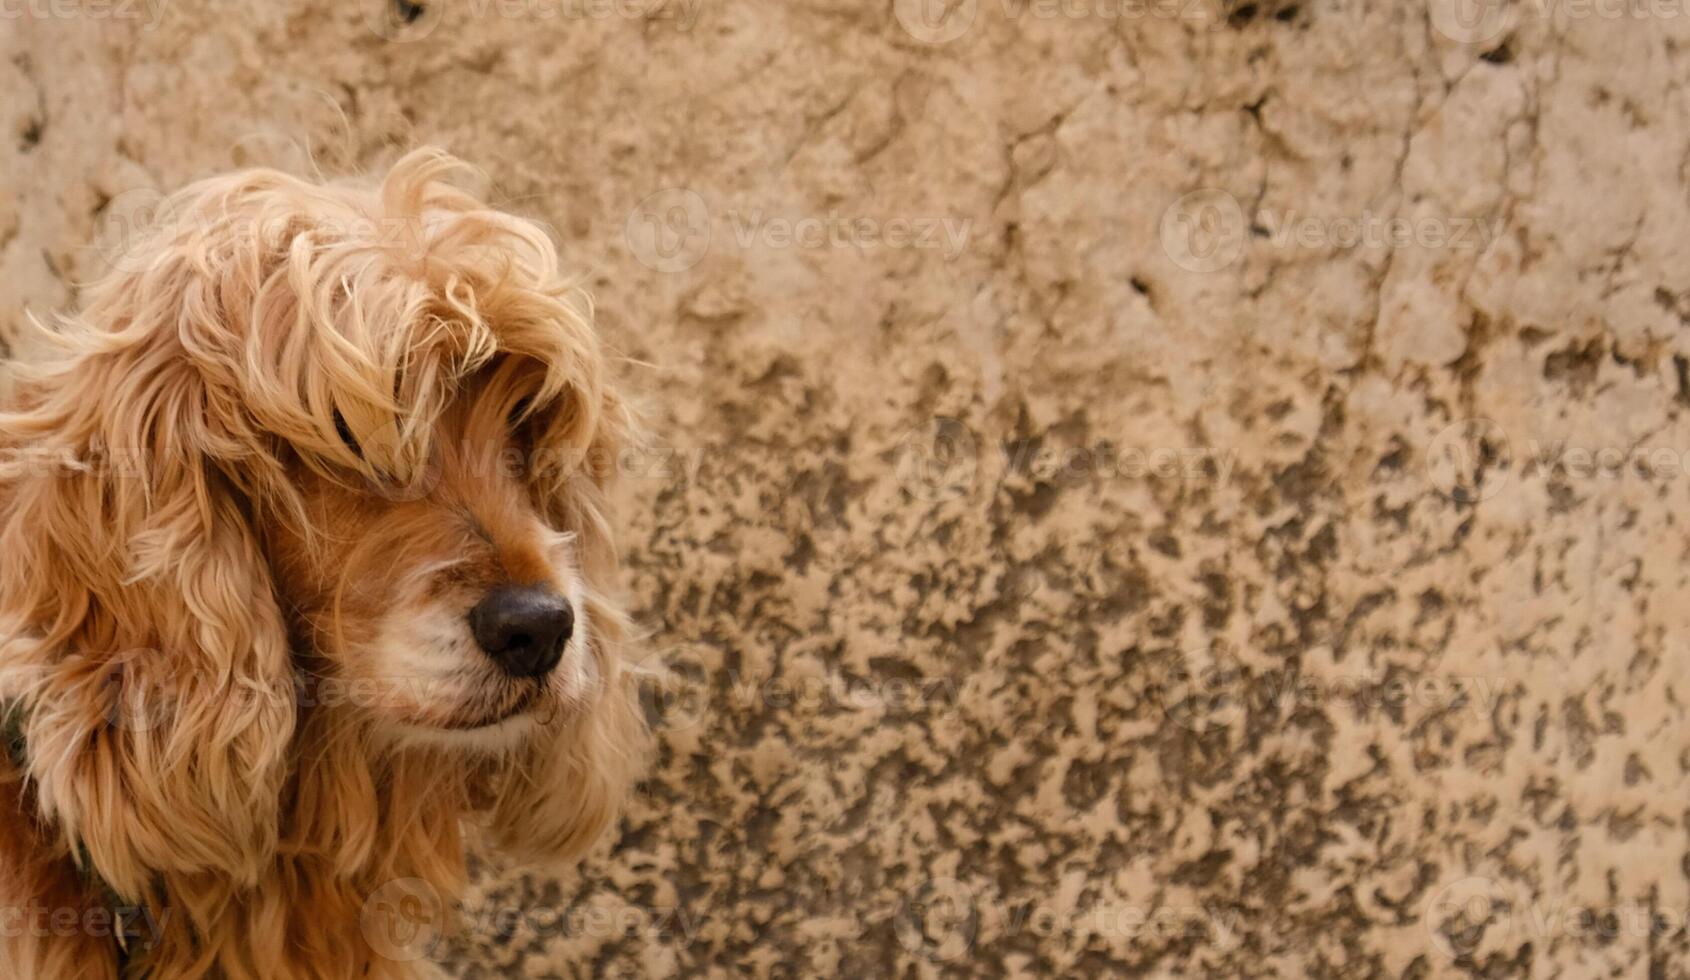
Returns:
point(1149, 488)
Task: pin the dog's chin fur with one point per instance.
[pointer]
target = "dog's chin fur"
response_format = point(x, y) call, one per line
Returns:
point(268, 456)
point(495, 738)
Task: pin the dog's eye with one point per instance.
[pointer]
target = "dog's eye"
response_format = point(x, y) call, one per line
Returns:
point(345, 433)
point(519, 412)
point(524, 426)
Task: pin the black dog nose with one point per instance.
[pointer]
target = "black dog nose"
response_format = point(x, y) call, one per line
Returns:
point(523, 628)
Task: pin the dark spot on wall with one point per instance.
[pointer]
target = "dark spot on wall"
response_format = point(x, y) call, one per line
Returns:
point(1203, 870)
point(1394, 458)
point(1502, 54)
point(1217, 604)
point(1037, 502)
point(1431, 603)
point(1575, 365)
point(802, 553)
point(1085, 782)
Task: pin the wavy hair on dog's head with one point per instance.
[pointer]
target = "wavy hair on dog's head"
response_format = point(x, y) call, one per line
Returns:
point(268, 440)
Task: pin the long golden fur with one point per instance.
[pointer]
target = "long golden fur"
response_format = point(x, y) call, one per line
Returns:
point(245, 500)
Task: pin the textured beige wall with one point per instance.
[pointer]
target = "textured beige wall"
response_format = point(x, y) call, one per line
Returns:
point(1180, 568)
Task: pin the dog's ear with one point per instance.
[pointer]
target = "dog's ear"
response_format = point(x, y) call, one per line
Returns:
point(142, 639)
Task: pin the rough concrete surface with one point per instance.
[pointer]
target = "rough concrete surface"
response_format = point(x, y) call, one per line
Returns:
point(1148, 487)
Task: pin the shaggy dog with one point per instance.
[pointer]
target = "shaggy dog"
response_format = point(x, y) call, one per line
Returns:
point(304, 558)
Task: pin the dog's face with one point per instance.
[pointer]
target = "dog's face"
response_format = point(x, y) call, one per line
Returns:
point(445, 606)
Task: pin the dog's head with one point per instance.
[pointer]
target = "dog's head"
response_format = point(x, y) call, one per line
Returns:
point(324, 458)
point(447, 599)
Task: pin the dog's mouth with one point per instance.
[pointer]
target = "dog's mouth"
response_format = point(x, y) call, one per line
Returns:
point(528, 702)
point(516, 716)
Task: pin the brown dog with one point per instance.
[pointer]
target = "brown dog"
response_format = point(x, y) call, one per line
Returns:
point(303, 563)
